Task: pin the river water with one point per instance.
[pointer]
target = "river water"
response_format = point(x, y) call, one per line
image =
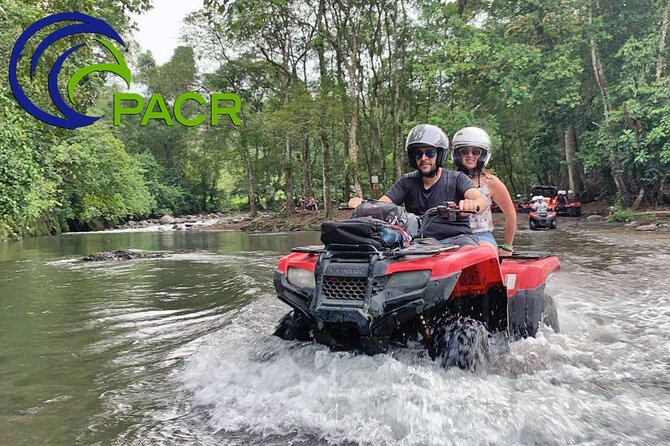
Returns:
point(177, 351)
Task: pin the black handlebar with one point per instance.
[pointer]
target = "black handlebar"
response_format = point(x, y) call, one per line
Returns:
point(449, 210)
point(446, 210)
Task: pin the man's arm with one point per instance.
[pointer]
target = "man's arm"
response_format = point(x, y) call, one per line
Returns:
point(474, 201)
point(356, 201)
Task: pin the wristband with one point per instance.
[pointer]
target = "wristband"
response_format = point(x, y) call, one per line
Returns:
point(507, 247)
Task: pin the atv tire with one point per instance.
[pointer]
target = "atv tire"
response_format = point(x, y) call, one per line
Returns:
point(526, 313)
point(553, 225)
point(461, 342)
point(293, 327)
point(532, 225)
point(549, 313)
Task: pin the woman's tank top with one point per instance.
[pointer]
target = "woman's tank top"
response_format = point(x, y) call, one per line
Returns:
point(483, 222)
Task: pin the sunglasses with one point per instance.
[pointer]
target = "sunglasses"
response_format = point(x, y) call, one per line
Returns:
point(430, 153)
point(464, 151)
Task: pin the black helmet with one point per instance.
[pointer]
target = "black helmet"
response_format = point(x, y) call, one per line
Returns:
point(426, 135)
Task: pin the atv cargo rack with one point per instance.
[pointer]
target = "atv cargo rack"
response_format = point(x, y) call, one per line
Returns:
point(423, 247)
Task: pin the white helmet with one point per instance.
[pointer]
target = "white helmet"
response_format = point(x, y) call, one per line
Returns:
point(471, 137)
point(561, 192)
point(570, 192)
point(540, 198)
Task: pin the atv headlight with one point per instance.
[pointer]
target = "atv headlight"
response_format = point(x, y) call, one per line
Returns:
point(301, 278)
point(409, 281)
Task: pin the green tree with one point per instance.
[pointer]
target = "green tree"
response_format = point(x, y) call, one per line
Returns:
point(100, 180)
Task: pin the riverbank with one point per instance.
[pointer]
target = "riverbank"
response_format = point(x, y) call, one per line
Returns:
point(200, 222)
point(593, 215)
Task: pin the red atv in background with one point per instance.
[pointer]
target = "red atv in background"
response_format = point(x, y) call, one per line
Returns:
point(568, 204)
point(542, 219)
point(358, 296)
point(562, 202)
point(549, 192)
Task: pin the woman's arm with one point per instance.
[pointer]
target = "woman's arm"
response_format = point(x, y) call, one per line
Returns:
point(500, 195)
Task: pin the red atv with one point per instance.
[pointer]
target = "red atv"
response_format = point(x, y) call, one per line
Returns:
point(542, 219)
point(568, 204)
point(360, 297)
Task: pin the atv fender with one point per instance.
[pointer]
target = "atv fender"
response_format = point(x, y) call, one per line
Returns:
point(527, 302)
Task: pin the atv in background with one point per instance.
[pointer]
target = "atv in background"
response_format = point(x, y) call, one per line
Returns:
point(568, 204)
point(360, 296)
point(548, 192)
point(562, 202)
point(543, 219)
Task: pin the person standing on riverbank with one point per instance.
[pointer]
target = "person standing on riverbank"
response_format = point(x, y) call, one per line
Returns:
point(471, 152)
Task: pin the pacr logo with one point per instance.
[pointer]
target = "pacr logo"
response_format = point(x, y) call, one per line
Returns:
point(71, 118)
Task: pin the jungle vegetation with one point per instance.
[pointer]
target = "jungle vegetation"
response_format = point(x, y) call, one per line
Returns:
point(573, 92)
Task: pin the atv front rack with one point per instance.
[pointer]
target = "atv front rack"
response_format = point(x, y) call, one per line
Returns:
point(422, 247)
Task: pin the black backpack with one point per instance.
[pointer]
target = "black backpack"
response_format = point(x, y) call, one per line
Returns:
point(388, 212)
point(382, 225)
point(364, 231)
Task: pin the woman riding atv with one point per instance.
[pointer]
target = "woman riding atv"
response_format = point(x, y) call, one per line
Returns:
point(471, 153)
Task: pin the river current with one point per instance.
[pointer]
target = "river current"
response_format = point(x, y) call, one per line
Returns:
point(178, 351)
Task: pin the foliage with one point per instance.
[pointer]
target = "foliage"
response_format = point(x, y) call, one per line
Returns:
point(618, 213)
point(330, 88)
point(100, 180)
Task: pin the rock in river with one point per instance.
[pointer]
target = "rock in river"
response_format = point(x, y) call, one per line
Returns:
point(122, 254)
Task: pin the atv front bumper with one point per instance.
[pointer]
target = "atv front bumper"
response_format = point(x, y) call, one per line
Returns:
point(366, 313)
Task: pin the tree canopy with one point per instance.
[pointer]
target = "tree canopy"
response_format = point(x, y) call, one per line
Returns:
point(572, 92)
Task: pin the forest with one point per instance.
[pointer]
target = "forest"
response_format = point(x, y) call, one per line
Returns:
point(574, 93)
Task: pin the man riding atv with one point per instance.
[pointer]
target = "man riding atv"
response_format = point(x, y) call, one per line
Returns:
point(540, 204)
point(542, 216)
point(367, 288)
point(431, 185)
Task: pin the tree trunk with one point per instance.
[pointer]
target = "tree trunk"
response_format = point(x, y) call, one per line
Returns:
point(288, 173)
point(660, 59)
point(509, 165)
point(522, 158)
point(398, 106)
point(337, 165)
point(250, 182)
point(307, 169)
point(353, 124)
point(616, 169)
point(324, 84)
point(574, 170)
point(638, 200)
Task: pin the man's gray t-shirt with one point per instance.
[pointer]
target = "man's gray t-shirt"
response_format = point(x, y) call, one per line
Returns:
point(451, 186)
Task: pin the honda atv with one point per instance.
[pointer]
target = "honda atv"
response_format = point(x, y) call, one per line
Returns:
point(360, 296)
point(542, 220)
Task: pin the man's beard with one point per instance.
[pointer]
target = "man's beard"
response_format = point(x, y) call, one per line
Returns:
point(430, 173)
